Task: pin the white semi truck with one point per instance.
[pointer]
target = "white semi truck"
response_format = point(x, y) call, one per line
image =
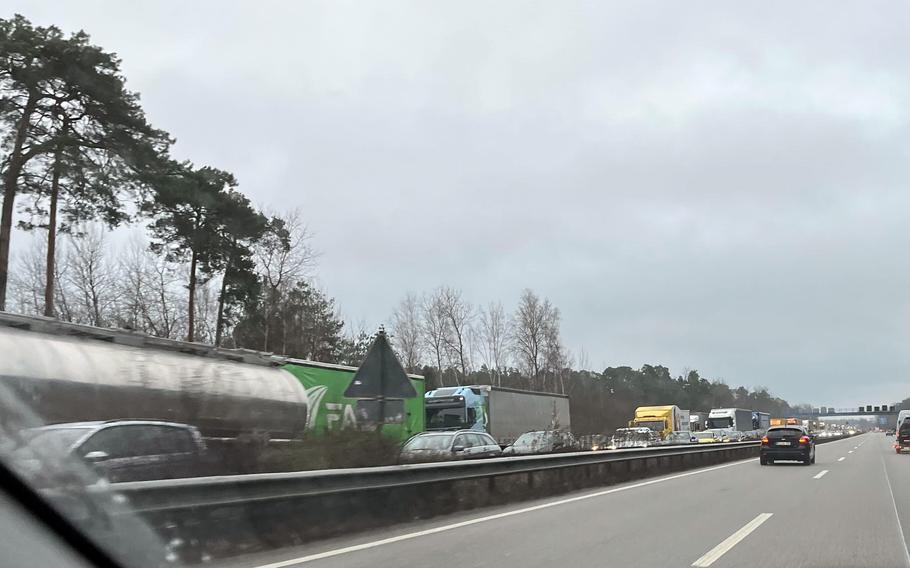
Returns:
point(731, 424)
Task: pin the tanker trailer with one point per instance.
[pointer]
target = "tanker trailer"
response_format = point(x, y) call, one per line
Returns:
point(69, 373)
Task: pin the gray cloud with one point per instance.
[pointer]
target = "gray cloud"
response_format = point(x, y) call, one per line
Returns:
point(713, 186)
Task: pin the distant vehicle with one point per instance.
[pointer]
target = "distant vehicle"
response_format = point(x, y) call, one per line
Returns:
point(662, 420)
point(730, 424)
point(901, 416)
point(889, 432)
point(697, 420)
point(125, 450)
point(706, 437)
point(456, 445)
point(542, 442)
point(502, 413)
point(640, 437)
point(600, 442)
point(903, 437)
point(761, 421)
point(829, 434)
point(787, 443)
point(676, 438)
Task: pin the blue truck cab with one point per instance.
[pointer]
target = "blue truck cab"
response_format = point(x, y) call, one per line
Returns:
point(456, 408)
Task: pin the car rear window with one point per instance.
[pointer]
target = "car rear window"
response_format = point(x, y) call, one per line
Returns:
point(785, 432)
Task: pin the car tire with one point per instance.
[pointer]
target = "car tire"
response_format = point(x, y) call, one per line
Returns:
point(763, 460)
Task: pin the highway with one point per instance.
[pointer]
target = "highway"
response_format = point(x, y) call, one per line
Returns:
point(852, 508)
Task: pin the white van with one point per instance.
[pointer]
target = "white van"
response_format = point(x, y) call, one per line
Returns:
point(901, 416)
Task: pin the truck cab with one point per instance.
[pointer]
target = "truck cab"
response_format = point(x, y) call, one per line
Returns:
point(455, 408)
point(664, 421)
point(731, 424)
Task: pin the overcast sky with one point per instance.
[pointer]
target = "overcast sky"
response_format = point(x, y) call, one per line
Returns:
point(717, 186)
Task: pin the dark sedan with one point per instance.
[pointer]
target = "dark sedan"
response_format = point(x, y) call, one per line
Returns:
point(122, 450)
point(783, 443)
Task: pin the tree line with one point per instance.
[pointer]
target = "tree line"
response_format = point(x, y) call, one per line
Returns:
point(79, 158)
point(453, 342)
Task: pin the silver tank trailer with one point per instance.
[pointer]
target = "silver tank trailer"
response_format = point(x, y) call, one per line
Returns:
point(70, 373)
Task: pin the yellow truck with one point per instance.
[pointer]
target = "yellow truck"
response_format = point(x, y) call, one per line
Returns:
point(662, 420)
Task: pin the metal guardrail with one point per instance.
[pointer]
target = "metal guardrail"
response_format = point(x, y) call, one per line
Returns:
point(204, 492)
point(227, 515)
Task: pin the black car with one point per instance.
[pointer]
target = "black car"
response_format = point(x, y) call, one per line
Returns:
point(125, 450)
point(793, 443)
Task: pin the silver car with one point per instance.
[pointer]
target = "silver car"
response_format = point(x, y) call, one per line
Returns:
point(459, 444)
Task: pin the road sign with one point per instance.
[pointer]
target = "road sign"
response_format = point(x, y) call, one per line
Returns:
point(380, 375)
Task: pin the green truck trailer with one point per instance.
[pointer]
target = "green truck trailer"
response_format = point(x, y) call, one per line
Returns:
point(330, 410)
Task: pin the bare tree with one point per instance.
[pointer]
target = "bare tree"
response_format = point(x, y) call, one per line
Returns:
point(584, 363)
point(283, 256)
point(434, 327)
point(90, 277)
point(406, 332)
point(495, 332)
point(27, 282)
point(459, 319)
point(530, 334)
point(149, 292)
point(207, 311)
point(555, 356)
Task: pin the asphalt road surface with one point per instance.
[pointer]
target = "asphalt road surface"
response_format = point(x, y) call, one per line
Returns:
point(850, 509)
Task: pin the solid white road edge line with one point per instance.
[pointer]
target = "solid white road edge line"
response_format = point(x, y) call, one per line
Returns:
point(443, 528)
point(897, 516)
point(820, 474)
point(841, 459)
point(712, 555)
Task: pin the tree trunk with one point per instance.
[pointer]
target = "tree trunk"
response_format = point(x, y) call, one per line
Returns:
point(219, 325)
point(270, 295)
point(14, 168)
point(52, 240)
point(6, 224)
point(191, 316)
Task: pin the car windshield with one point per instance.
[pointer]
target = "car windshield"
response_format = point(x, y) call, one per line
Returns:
point(434, 442)
point(655, 425)
point(52, 440)
point(529, 439)
point(718, 423)
point(448, 418)
point(785, 432)
point(366, 284)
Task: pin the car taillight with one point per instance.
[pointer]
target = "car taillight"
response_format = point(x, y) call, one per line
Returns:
point(764, 441)
point(804, 439)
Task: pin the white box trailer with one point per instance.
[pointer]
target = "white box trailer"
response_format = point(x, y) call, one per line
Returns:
point(512, 412)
